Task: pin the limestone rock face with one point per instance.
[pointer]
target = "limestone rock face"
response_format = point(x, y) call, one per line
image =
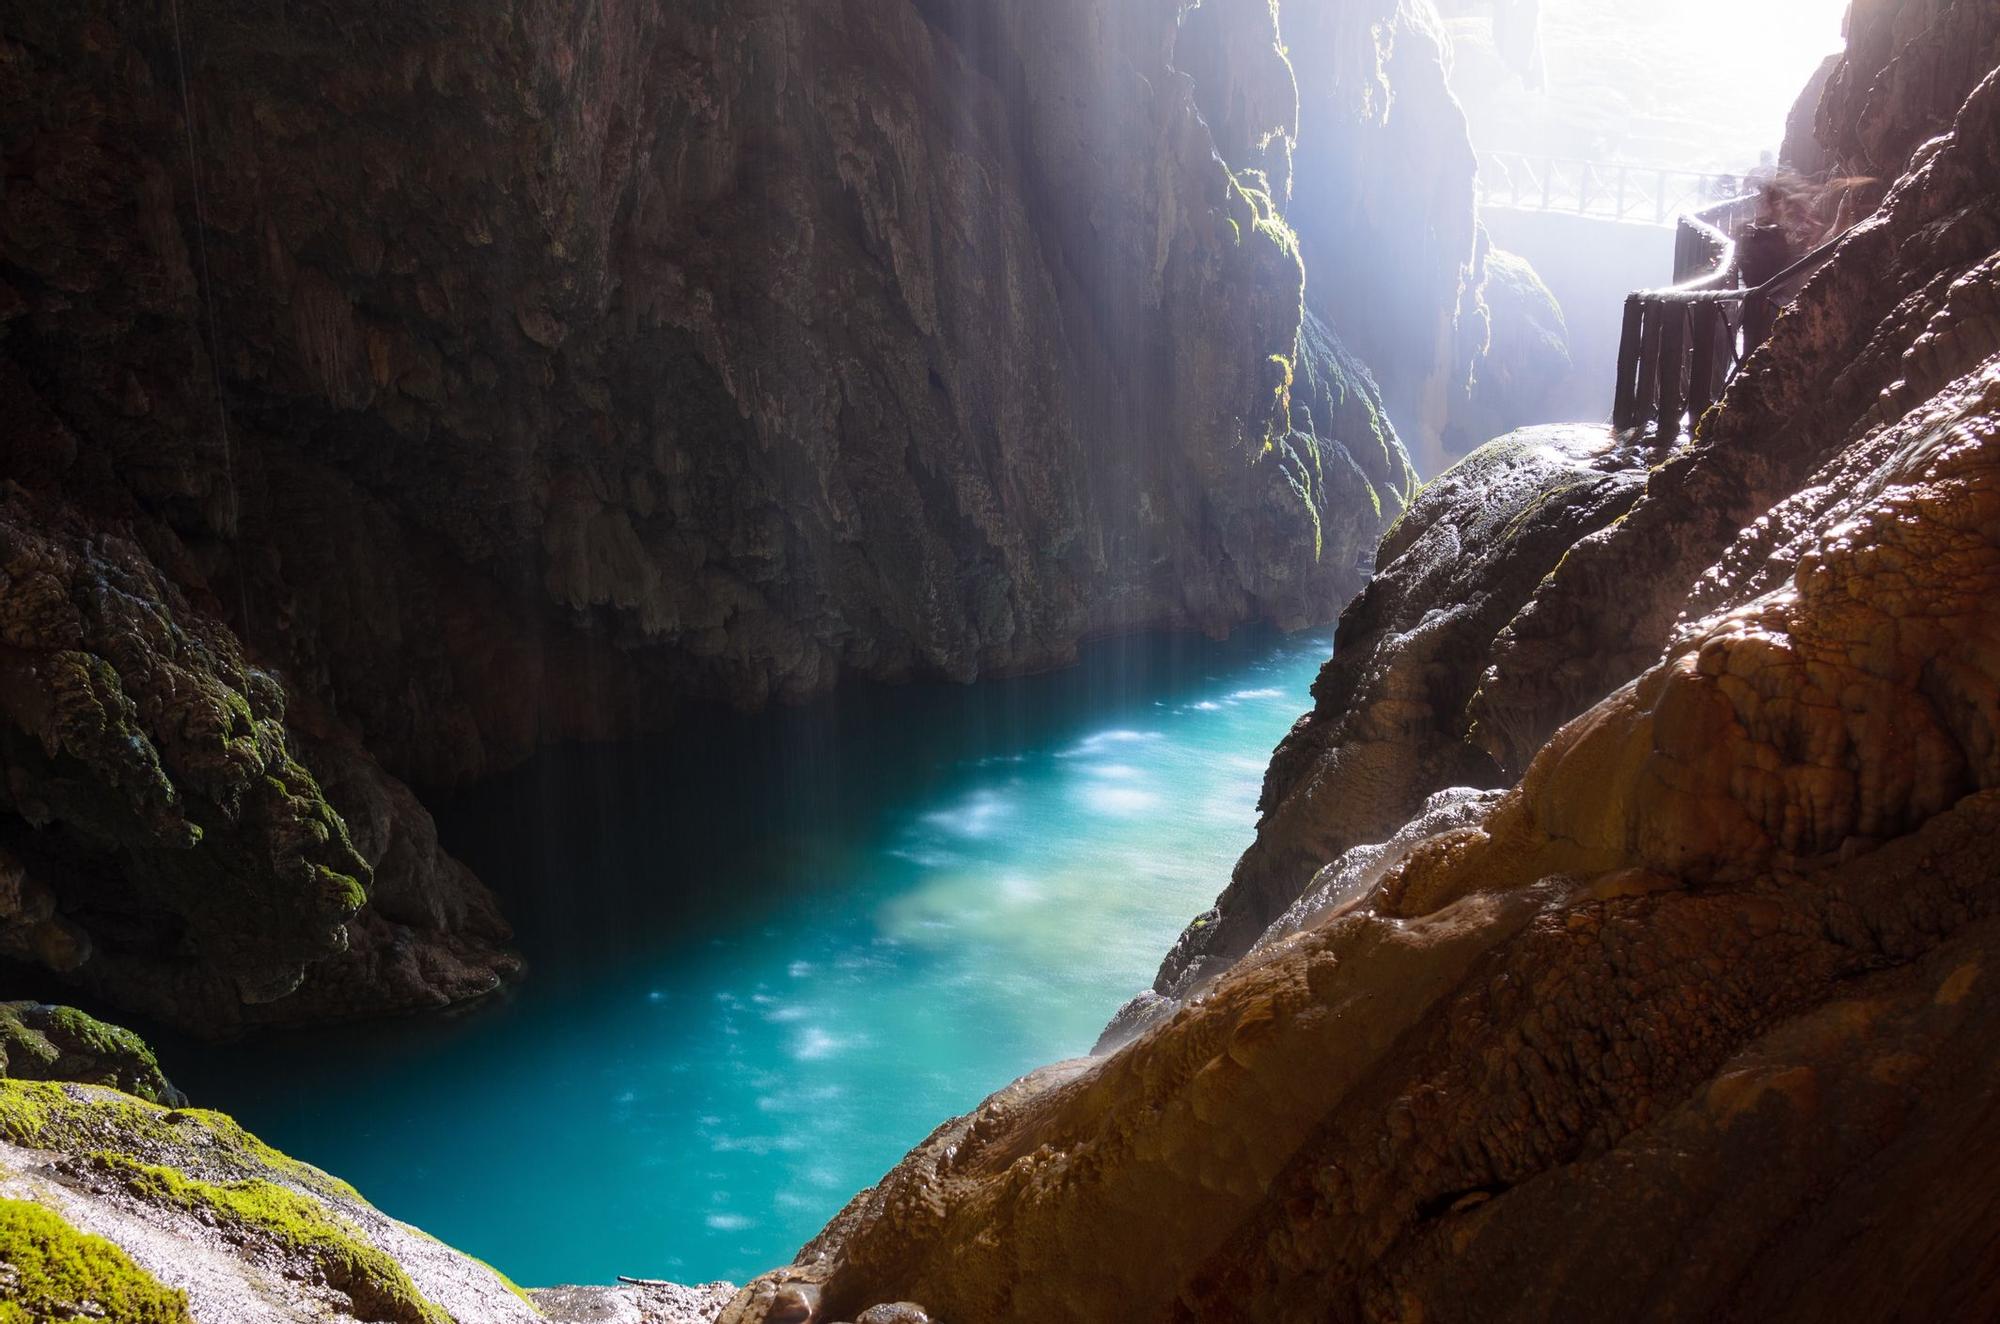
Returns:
point(1388, 726)
point(465, 378)
point(1383, 195)
point(1519, 346)
point(1903, 311)
point(1691, 1020)
point(698, 350)
point(163, 841)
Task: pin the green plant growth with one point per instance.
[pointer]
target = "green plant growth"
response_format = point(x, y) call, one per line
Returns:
point(262, 1212)
point(80, 1118)
point(50, 1273)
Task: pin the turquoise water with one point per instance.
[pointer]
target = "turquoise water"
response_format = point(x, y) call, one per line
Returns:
point(769, 955)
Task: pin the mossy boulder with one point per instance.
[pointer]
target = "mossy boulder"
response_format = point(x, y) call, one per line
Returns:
point(165, 841)
point(40, 1042)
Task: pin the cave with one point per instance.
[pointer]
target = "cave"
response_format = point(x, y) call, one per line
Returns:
point(959, 661)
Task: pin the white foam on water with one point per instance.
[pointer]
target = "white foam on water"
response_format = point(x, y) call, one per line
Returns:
point(813, 1044)
point(1019, 890)
point(1119, 801)
point(979, 816)
point(1105, 740)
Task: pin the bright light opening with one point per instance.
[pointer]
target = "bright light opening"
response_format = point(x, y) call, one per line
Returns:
point(1693, 85)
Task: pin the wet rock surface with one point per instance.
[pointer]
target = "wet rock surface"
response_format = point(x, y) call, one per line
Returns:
point(1389, 725)
point(633, 1303)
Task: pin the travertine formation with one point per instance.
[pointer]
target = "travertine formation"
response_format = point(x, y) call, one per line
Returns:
point(1388, 725)
point(1576, 616)
point(1692, 1019)
point(1619, 940)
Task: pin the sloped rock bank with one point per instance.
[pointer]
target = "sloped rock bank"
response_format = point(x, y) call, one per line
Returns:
point(1686, 1018)
point(210, 1224)
point(1894, 318)
point(120, 1203)
point(1388, 726)
point(1718, 970)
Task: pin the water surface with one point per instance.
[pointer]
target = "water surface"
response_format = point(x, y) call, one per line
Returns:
point(769, 955)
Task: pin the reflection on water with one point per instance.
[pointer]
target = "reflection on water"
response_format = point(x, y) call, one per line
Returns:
point(768, 955)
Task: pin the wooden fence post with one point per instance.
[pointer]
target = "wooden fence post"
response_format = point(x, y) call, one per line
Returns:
point(1625, 399)
point(1673, 362)
point(1701, 372)
point(1649, 363)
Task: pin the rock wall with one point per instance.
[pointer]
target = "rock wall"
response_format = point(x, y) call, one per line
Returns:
point(462, 379)
point(1387, 727)
point(1384, 201)
point(698, 350)
point(1688, 1021)
point(1586, 613)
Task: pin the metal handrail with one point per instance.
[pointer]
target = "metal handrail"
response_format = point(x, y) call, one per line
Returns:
point(1596, 188)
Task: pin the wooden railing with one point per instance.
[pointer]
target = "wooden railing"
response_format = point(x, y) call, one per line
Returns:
point(1680, 345)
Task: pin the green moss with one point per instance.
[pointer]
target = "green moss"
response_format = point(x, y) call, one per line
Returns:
point(81, 1119)
point(1542, 502)
point(40, 1042)
point(255, 1210)
point(58, 1275)
point(24, 1110)
point(101, 1039)
point(339, 891)
point(21, 1043)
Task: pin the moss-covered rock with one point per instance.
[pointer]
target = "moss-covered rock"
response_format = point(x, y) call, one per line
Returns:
point(50, 1273)
point(163, 841)
point(40, 1042)
point(209, 1208)
point(263, 1214)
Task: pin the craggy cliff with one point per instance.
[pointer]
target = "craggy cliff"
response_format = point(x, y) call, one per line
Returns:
point(389, 390)
point(1619, 939)
point(1620, 936)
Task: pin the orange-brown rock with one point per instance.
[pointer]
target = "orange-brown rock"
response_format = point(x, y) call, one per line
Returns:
point(1694, 1021)
point(1732, 933)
